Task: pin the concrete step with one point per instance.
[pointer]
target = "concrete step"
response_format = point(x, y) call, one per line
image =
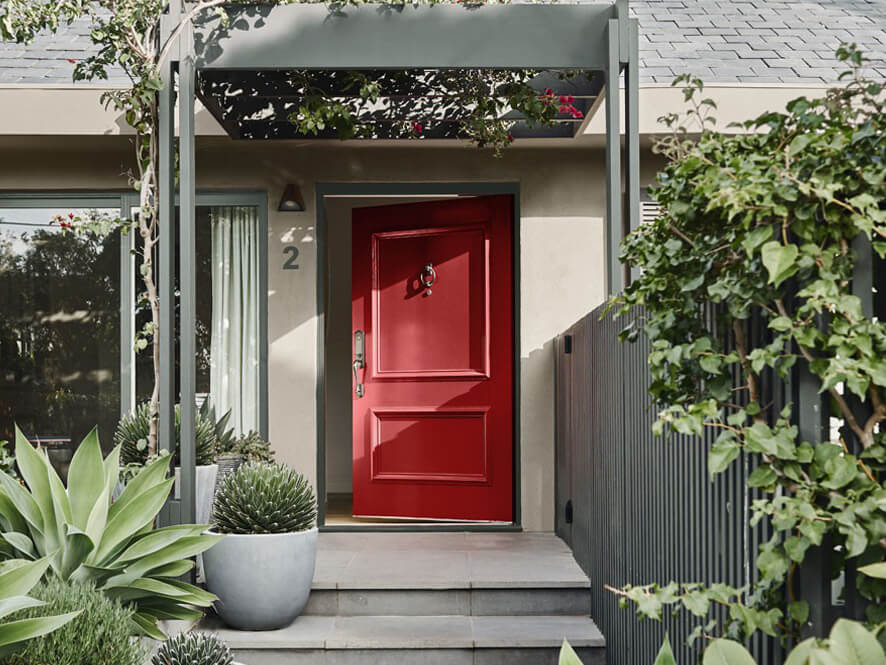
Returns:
point(418, 640)
point(569, 601)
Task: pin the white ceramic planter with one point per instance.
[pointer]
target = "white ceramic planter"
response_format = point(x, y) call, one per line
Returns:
point(262, 580)
point(204, 490)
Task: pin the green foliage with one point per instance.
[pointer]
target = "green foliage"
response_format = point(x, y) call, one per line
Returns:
point(112, 545)
point(100, 635)
point(766, 224)
point(849, 643)
point(251, 447)
point(7, 460)
point(193, 649)
point(262, 497)
point(224, 435)
point(134, 428)
point(17, 578)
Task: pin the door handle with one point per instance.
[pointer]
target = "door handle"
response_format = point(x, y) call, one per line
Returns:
point(359, 361)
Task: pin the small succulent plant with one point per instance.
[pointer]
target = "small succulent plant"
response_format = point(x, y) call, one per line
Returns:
point(133, 429)
point(253, 448)
point(264, 497)
point(193, 649)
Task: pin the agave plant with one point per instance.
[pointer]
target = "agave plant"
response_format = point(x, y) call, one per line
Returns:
point(193, 649)
point(133, 429)
point(262, 497)
point(17, 578)
point(224, 435)
point(113, 545)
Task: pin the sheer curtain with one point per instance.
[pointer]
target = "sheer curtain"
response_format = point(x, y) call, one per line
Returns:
point(234, 350)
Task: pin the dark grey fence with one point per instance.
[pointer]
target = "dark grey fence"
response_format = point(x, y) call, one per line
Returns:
point(638, 509)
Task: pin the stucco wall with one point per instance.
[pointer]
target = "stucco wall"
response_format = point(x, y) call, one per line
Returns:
point(562, 260)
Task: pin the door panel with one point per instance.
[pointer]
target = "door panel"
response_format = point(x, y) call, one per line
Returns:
point(432, 292)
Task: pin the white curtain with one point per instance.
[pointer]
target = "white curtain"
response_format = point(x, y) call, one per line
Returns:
point(234, 359)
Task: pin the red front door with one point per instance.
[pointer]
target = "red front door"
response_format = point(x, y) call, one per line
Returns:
point(432, 297)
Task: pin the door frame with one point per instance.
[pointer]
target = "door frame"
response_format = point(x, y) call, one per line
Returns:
point(395, 189)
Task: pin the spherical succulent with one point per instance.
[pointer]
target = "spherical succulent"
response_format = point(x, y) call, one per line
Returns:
point(134, 428)
point(264, 497)
point(193, 649)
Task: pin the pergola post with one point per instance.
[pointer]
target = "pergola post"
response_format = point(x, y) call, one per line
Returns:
point(614, 231)
point(188, 278)
point(632, 139)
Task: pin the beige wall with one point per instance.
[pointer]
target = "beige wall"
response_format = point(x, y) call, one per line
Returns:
point(562, 259)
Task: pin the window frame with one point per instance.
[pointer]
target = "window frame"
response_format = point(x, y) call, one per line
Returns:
point(126, 201)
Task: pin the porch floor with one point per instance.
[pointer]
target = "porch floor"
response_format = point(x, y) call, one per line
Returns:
point(459, 598)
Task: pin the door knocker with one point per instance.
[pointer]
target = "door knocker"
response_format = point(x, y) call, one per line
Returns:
point(428, 277)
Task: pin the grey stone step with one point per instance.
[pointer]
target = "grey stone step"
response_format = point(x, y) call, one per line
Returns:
point(426, 640)
point(574, 601)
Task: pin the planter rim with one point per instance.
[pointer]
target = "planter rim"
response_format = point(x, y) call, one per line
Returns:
point(213, 532)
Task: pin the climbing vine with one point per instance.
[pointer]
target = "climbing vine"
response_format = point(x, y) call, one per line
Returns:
point(767, 224)
point(127, 37)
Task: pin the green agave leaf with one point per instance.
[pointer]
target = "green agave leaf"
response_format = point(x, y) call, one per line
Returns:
point(568, 655)
point(10, 514)
point(727, 652)
point(16, 603)
point(98, 517)
point(179, 592)
point(163, 608)
point(25, 505)
point(157, 539)
point(153, 474)
point(851, 643)
point(18, 580)
point(176, 569)
point(112, 470)
point(21, 542)
point(33, 467)
point(61, 506)
point(86, 480)
point(139, 512)
point(26, 629)
point(77, 548)
point(182, 549)
point(145, 624)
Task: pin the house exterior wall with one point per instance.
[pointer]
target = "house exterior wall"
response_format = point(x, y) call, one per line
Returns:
point(562, 208)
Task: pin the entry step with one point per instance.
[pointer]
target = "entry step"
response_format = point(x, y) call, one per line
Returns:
point(453, 640)
point(445, 561)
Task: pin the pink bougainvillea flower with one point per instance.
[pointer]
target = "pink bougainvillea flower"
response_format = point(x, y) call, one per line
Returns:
point(417, 127)
point(72, 61)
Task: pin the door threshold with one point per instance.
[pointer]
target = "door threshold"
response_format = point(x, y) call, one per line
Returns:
point(444, 527)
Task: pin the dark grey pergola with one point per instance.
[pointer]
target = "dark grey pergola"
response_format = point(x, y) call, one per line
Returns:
point(263, 42)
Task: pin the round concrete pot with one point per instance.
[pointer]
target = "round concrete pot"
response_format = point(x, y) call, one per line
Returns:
point(262, 580)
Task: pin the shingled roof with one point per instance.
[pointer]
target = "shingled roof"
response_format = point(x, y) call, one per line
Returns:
point(723, 41)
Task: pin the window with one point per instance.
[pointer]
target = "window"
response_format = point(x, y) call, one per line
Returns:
point(59, 322)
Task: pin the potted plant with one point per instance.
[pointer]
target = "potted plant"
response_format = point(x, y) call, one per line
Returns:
point(262, 570)
point(132, 437)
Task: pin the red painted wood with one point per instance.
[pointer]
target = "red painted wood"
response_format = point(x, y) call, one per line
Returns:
point(433, 435)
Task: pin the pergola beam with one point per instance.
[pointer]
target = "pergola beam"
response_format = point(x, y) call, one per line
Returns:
point(444, 36)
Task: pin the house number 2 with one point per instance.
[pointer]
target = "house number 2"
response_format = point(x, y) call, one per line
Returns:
point(289, 263)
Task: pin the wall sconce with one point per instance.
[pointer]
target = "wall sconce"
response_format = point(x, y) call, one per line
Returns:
point(292, 200)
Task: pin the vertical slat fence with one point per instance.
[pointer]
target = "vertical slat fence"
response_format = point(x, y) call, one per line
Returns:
point(643, 509)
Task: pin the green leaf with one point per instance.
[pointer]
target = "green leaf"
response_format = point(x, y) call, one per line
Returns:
point(13, 632)
point(800, 654)
point(721, 455)
point(86, 479)
point(727, 652)
point(780, 261)
point(798, 610)
point(851, 643)
point(763, 476)
point(568, 655)
point(877, 570)
point(665, 654)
